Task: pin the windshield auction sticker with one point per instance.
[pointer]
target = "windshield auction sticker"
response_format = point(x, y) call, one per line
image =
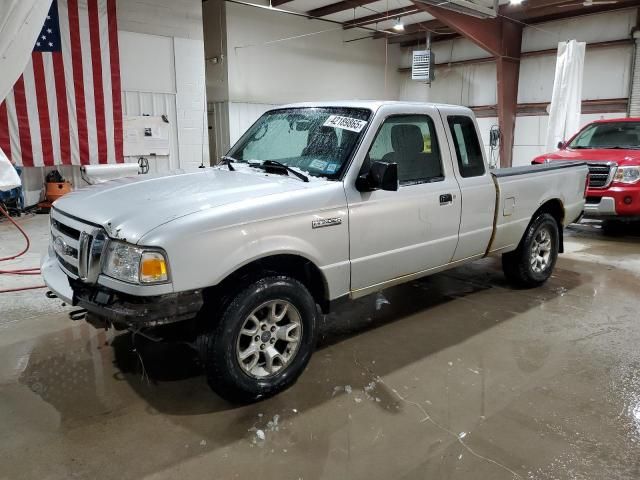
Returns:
point(346, 123)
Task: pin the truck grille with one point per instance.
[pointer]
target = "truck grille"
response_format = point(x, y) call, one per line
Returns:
point(77, 246)
point(601, 174)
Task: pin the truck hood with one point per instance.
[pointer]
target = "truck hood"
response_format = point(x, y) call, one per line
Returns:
point(621, 157)
point(130, 207)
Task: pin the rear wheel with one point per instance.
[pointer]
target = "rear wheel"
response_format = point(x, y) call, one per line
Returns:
point(263, 340)
point(531, 264)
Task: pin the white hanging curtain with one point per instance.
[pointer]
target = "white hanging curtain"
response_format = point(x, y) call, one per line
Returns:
point(20, 24)
point(566, 101)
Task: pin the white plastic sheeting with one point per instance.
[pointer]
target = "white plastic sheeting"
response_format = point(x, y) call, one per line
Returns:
point(566, 100)
point(20, 24)
point(634, 96)
point(8, 176)
point(94, 174)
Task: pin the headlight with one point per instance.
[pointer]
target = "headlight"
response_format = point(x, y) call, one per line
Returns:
point(627, 175)
point(135, 264)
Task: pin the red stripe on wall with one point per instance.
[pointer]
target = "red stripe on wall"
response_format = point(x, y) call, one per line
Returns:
point(43, 110)
point(114, 53)
point(63, 109)
point(78, 80)
point(23, 123)
point(98, 86)
point(5, 139)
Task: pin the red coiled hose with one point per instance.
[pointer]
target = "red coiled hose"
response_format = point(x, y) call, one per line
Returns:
point(21, 271)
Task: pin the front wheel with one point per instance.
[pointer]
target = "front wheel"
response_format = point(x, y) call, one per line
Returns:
point(531, 264)
point(263, 340)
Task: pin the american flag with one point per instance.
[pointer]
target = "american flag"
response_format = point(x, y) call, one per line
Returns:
point(66, 108)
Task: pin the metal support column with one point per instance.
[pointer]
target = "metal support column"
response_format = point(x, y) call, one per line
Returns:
point(502, 38)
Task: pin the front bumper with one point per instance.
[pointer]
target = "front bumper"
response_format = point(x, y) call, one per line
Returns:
point(605, 207)
point(55, 278)
point(621, 202)
point(122, 309)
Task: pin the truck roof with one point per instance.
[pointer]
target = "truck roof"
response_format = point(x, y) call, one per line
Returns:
point(368, 104)
point(616, 120)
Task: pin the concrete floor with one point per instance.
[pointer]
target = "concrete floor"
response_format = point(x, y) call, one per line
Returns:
point(453, 377)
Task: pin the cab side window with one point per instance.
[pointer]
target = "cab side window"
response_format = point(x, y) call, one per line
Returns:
point(468, 149)
point(411, 142)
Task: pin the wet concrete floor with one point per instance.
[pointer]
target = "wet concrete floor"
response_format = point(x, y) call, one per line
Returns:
point(456, 376)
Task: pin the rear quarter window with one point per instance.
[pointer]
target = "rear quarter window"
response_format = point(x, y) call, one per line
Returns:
point(467, 145)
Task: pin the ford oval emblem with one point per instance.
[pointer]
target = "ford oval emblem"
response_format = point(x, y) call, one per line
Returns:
point(60, 247)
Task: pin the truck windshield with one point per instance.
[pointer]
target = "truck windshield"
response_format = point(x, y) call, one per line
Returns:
point(623, 135)
point(317, 141)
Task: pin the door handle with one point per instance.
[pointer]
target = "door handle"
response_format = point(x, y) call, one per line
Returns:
point(446, 199)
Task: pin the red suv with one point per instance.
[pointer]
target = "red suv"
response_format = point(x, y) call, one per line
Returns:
point(611, 148)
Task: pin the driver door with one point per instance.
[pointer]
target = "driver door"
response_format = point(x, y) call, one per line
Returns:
point(394, 234)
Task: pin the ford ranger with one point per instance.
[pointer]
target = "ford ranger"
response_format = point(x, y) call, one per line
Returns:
point(611, 149)
point(315, 203)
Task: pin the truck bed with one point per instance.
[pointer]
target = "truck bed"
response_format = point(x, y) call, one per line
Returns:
point(520, 191)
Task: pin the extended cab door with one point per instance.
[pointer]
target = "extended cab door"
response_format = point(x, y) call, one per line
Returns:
point(413, 229)
point(474, 178)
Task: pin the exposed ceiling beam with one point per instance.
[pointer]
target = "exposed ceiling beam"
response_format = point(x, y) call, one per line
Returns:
point(554, 12)
point(338, 7)
point(433, 26)
point(418, 39)
point(378, 17)
point(547, 10)
point(272, 9)
point(277, 3)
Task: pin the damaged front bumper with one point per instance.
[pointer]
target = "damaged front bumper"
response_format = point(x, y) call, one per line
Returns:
point(136, 312)
point(106, 306)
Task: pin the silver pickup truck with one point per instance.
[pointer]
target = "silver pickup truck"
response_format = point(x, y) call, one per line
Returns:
point(317, 202)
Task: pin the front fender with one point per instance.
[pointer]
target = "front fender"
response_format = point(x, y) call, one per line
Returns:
point(201, 258)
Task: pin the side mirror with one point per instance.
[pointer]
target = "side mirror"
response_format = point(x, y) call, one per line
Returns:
point(381, 176)
point(560, 145)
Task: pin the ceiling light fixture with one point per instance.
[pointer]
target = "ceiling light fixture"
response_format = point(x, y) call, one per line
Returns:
point(515, 2)
point(399, 26)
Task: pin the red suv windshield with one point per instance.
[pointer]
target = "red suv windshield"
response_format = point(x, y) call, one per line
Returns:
point(623, 135)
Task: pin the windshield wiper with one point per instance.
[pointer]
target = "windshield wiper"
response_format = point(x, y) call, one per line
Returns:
point(619, 147)
point(580, 147)
point(228, 161)
point(273, 163)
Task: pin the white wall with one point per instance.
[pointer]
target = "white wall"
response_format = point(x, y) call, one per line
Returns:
point(162, 70)
point(606, 74)
point(274, 58)
point(314, 67)
point(170, 18)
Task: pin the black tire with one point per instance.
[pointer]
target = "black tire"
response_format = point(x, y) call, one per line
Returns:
point(613, 228)
point(220, 345)
point(519, 267)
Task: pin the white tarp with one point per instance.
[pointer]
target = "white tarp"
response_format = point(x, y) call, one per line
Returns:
point(8, 176)
point(564, 112)
point(20, 23)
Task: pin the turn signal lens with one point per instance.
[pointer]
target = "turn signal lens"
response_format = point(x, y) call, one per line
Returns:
point(153, 268)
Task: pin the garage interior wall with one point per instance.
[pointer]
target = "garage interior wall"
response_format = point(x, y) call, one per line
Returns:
point(324, 67)
point(606, 74)
point(162, 73)
point(274, 58)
